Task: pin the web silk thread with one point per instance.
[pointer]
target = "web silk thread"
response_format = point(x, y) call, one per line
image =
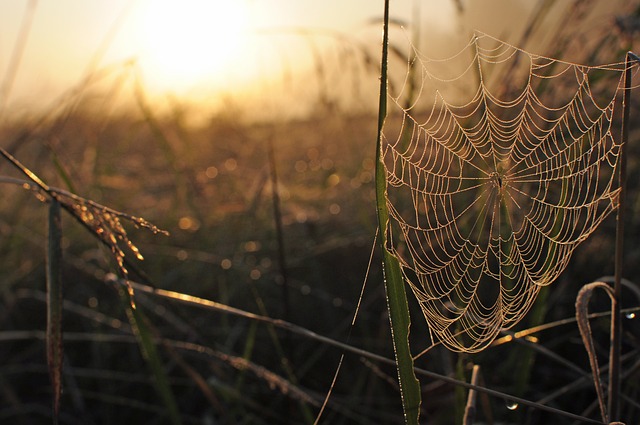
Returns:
point(494, 176)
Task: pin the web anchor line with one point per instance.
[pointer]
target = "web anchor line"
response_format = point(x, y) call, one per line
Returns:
point(613, 402)
point(495, 175)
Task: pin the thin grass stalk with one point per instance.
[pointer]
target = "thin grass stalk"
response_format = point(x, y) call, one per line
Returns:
point(247, 354)
point(30, 175)
point(470, 408)
point(394, 283)
point(616, 316)
point(60, 168)
point(413, 66)
point(353, 322)
point(287, 366)
point(172, 158)
point(54, 289)
point(282, 261)
point(288, 361)
point(111, 338)
point(299, 330)
point(54, 305)
point(147, 345)
point(197, 378)
point(459, 393)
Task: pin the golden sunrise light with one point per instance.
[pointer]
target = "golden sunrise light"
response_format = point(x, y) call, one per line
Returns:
point(195, 50)
point(183, 43)
point(338, 212)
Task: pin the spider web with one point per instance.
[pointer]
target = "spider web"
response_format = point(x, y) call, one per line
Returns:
point(494, 183)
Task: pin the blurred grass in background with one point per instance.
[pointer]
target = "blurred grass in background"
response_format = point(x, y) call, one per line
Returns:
point(210, 187)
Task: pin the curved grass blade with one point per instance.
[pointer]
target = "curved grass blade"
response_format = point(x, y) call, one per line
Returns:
point(394, 283)
point(54, 305)
point(582, 314)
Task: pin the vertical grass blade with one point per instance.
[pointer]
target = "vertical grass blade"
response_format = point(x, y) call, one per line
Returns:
point(394, 283)
point(145, 338)
point(54, 305)
point(282, 260)
point(616, 316)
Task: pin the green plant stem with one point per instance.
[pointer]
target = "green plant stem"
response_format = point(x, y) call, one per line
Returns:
point(394, 283)
point(147, 345)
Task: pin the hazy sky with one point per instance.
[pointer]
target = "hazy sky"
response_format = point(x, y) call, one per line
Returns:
point(65, 35)
point(233, 39)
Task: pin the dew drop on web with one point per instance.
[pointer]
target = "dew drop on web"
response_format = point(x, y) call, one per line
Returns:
point(511, 405)
point(630, 315)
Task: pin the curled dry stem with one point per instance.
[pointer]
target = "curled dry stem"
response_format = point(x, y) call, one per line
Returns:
point(582, 317)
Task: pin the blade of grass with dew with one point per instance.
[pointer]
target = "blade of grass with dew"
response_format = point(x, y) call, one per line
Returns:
point(54, 305)
point(145, 338)
point(394, 283)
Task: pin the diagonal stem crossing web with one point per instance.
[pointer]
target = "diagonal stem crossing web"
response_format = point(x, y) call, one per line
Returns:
point(494, 176)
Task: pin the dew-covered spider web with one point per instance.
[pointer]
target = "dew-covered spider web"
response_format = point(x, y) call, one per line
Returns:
point(495, 173)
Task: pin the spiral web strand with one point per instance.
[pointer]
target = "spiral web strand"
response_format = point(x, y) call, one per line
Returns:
point(494, 183)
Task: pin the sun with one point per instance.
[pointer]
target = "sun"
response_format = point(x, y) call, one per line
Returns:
point(184, 43)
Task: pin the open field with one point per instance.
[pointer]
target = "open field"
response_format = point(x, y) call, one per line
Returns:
point(277, 219)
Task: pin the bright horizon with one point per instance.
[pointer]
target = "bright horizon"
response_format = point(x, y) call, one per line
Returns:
point(209, 51)
point(190, 49)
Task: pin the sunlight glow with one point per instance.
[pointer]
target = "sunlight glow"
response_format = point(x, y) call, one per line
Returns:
point(184, 43)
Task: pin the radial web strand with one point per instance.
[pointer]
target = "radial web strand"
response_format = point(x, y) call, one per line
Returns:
point(494, 176)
